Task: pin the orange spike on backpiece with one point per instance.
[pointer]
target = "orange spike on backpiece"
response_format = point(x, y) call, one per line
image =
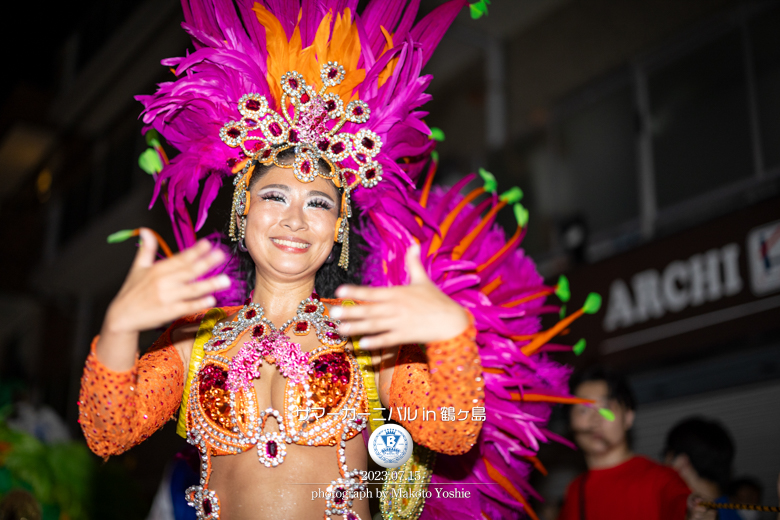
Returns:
point(514, 303)
point(502, 251)
point(492, 286)
point(544, 398)
point(451, 216)
point(466, 242)
point(505, 483)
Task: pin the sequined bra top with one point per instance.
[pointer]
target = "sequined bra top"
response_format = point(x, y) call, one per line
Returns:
point(325, 404)
point(316, 412)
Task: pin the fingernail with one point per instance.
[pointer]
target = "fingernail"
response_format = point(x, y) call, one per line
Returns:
point(223, 280)
point(336, 312)
point(364, 343)
point(341, 291)
point(211, 301)
point(344, 329)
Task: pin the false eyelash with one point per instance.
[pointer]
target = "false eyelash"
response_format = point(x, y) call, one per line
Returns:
point(272, 195)
point(321, 203)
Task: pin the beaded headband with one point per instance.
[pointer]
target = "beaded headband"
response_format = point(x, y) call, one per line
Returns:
point(312, 131)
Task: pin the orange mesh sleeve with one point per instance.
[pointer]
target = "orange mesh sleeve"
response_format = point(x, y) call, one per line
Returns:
point(118, 410)
point(433, 393)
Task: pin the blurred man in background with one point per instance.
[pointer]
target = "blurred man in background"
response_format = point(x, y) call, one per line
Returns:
point(618, 483)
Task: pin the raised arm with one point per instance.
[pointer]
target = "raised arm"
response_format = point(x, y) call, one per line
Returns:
point(118, 410)
point(446, 375)
point(123, 399)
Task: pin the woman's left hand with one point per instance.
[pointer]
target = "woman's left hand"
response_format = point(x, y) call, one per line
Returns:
point(400, 315)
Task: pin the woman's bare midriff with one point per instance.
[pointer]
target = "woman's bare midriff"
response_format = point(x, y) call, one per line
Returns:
point(295, 489)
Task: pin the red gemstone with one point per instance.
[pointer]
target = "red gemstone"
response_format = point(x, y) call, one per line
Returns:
point(331, 105)
point(258, 331)
point(218, 342)
point(251, 313)
point(267, 153)
point(360, 157)
point(333, 72)
point(323, 145)
point(352, 516)
point(367, 143)
point(358, 110)
point(207, 506)
point(315, 296)
point(337, 148)
point(252, 104)
point(370, 174)
point(257, 146)
point(306, 167)
point(310, 308)
point(293, 136)
point(250, 122)
point(305, 98)
point(275, 129)
point(330, 324)
point(349, 176)
point(338, 496)
point(271, 448)
point(226, 329)
point(233, 132)
point(231, 162)
point(301, 326)
point(333, 336)
point(293, 83)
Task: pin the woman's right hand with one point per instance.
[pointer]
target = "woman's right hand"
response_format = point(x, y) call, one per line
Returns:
point(156, 293)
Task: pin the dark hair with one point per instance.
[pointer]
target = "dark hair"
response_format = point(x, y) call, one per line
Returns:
point(708, 446)
point(617, 385)
point(329, 276)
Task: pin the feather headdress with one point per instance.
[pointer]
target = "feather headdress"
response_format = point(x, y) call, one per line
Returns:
point(244, 48)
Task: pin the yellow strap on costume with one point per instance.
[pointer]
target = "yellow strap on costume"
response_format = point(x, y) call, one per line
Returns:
point(366, 365)
point(196, 358)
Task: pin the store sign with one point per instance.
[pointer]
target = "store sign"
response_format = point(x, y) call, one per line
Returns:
point(764, 249)
point(707, 285)
point(704, 277)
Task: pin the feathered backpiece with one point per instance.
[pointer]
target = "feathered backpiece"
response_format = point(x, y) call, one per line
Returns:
point(238, 81)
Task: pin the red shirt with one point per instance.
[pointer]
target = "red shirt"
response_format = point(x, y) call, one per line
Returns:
point(638, 489)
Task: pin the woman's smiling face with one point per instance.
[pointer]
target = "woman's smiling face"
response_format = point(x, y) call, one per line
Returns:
point(290, 225)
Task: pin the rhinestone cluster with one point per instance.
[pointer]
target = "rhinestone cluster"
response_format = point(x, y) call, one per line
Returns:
point(223, 421)
point(312, 130)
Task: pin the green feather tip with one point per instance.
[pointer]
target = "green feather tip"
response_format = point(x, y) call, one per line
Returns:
point(592, 303)
point(435, 156)
point(607, 414)
point(150, 162)
point(479, 9)
point(120, 236)
point(437, 134)
point(152, 138)
point(562, 290)
point(579, 347)
point(521, 214)
point(491, 185)
point(512, 195)
point(562, 312)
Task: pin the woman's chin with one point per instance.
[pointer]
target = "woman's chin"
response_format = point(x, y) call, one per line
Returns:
point(302, 265)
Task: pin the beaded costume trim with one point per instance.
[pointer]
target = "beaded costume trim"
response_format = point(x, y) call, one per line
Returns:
point(221, 421)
